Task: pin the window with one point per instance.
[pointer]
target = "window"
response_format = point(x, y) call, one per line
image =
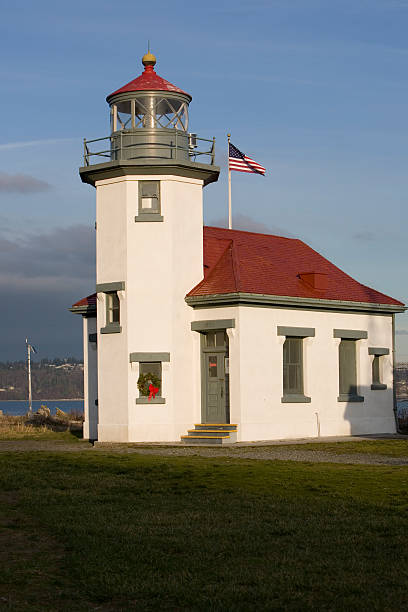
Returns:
point(149, 201)
point(112, 308)
point(348, 371)
point(150, 373)
point(293, 347)
point(376, 367)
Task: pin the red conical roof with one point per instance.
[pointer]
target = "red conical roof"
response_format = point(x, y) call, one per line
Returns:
point(148, 81)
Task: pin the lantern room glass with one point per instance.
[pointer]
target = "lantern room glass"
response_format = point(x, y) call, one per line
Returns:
point(150, 110)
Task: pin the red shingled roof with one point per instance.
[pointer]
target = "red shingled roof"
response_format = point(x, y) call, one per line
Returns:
point(148, 81)
point(89, 301)
point(245, 262)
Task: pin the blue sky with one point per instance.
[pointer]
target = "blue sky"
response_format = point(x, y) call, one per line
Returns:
point(315, 90)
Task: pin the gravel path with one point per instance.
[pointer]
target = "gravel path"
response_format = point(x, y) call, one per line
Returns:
point(274, 452)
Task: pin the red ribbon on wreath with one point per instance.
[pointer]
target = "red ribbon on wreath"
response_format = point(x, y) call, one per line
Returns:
point(152, 391)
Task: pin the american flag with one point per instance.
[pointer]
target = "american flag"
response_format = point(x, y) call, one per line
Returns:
point(242, 163)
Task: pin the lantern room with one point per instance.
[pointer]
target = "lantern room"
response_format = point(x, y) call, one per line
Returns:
point(149, 117)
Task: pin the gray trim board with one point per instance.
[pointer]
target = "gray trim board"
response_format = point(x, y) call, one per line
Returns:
point(148, 357)
point(284, 301)
point(300, 332)
point(378, 387)
point(174, 167)
point(350, 334)
point(148, 217)
point(344, 397)
point(85, 311)
point(111, 328)
point(295, 399)
point(93, 337)
point(108, 287)
point(153, 400)
point(200, 326)
point(378, 351)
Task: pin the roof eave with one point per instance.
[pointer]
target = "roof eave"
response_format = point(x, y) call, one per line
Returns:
point(87, 311)
point(283, 301)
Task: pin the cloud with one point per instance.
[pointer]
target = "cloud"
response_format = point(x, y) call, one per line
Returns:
point(61, 258)
point(248, 224)
point(22, 183)
point(41, 276)
point(401, 332)
point(34, 143)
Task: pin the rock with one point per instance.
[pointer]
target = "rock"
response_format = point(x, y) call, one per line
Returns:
point(44, 411)
point(60, 414)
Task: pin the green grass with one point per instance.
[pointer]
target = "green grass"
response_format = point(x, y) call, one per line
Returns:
point(390, 448)
point(123, 532)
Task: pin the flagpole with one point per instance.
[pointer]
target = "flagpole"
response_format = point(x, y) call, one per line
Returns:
point(229, 188)
point(30, 406)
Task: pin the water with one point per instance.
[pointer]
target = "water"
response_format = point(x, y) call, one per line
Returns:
point(20, 407)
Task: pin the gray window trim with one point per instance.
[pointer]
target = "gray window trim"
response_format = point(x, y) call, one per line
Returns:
point(345, 397)
point(350, 334)
point(153, 400)
point(378, 351)
point(93, 338)
point(148, 217)
point(111, 328)
point(148, 357)
point(110, 287)
point(378, 387)
point(300, 332)
point(200, 326)
point(295, 398)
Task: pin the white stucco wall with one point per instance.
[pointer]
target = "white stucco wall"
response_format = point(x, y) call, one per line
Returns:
point(159, 263)
point(256, 374)
point(90, 431)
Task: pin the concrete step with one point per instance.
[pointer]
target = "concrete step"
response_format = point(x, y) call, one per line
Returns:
point(217, 440)
point(209, 432)
point(218, 426)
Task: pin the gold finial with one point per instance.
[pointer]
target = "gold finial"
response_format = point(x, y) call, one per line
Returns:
point(148, 59)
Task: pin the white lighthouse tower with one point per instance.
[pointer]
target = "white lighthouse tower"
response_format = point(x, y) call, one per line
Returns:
point(149, 247)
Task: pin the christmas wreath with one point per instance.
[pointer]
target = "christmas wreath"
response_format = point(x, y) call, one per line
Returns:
point(144, 381)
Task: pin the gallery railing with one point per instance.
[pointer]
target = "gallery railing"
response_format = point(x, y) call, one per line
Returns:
point(149, 144)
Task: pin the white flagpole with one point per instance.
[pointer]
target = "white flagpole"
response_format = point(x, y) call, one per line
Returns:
point(30, 403)
point(229, 188)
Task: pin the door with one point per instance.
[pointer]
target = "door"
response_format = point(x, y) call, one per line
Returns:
point(215, 407)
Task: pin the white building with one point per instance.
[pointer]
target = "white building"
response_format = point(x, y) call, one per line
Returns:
point(220, 335)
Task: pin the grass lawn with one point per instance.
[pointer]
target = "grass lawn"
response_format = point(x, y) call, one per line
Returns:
point(141, 532)
point(390, 448)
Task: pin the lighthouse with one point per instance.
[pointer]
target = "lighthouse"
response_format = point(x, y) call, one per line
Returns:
point(213, 335)
point(149, 175)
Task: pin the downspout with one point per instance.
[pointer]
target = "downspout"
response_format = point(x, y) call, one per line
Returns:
point(394, 390)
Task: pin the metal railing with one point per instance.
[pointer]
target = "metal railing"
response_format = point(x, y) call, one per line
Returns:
point(184, 146)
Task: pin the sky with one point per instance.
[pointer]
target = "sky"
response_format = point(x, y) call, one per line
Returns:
point(314, 90)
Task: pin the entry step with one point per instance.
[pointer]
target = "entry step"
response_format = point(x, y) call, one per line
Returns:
point(211, 433)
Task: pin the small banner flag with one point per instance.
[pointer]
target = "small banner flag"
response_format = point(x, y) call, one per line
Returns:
point(242, 163)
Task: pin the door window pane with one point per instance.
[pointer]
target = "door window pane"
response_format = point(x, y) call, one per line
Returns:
point(210, 339)
point(212, 366)
point(220, 338)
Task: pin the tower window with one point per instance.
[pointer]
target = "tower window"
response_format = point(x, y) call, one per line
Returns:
point(112, 308)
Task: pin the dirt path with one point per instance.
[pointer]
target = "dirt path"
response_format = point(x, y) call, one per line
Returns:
point(272, 452)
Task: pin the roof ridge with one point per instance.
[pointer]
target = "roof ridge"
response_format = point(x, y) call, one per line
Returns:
point(214, 268)
point(225, 229)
